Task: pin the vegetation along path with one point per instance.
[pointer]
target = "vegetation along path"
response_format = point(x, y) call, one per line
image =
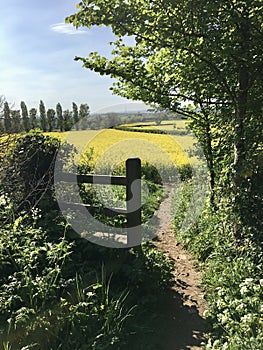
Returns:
point(180, 324)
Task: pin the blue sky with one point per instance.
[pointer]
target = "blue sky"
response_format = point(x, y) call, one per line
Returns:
point(37, 53)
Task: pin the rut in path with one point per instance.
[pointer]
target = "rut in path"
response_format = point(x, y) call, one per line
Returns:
point(180, 324)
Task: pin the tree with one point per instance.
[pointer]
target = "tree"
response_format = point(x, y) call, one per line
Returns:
point(25, 118)
point(67, 118)
point(83, 116)
point(7, 118)
point(60, 120)
point(51, 118)
point(43, 116)
point(198, 58)
point(16, 121)
point(159, 116)
point(75, 115)
point(2, 101)
point(33, 118)
point(2, 124)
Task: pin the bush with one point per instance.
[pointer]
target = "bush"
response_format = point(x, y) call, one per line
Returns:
point(47, 304)
point(29, 169)
point(232, 277)
point(186, 172)
point(30, 284)
point(54, 295)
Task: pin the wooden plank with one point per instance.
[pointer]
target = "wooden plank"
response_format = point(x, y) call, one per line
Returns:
point(92, 208)
point(93, 179)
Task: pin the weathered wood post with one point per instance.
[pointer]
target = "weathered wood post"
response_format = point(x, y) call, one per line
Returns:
point(133, 200)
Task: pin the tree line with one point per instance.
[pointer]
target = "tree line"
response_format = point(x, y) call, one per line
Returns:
point(24, 119)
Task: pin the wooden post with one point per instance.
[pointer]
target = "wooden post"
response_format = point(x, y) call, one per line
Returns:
point(133, 201)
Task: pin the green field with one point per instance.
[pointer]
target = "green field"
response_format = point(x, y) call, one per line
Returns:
point(166, 125)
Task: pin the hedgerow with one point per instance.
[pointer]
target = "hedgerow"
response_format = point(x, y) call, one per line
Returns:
point(232, 277)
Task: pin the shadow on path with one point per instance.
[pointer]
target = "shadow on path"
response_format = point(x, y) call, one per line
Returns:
point(175, 322)
point(169, 325)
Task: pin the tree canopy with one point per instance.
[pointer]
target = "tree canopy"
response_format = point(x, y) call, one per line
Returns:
point(183, 51)
point(197, 57)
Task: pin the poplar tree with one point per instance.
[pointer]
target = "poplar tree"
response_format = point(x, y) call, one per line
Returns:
point(16, 121)
point(33, 118)
point(75, 115)
point(7, 118)
point(43, 116)
point(25, 117)
point(83, 116)
point(67, 120)
point(51, 118)
point(60, 120)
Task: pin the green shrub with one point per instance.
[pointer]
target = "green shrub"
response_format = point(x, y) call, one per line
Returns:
point(185, 172)
point(53, 295)
point(31, 282)
point(46, 304)
point(28, 174)
point(234, 291)
point(137, 128)
point(232, 278)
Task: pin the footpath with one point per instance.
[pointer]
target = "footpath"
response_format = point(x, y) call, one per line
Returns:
point(181, 318)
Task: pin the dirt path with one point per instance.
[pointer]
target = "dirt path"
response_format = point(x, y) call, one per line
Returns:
point(180, 311)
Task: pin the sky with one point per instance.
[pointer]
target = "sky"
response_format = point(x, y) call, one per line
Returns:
point(37, 51)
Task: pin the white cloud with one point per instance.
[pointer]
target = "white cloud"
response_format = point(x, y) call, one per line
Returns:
point(64, 28)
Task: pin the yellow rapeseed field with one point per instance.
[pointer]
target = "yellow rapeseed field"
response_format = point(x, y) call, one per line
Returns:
point(111, 147)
